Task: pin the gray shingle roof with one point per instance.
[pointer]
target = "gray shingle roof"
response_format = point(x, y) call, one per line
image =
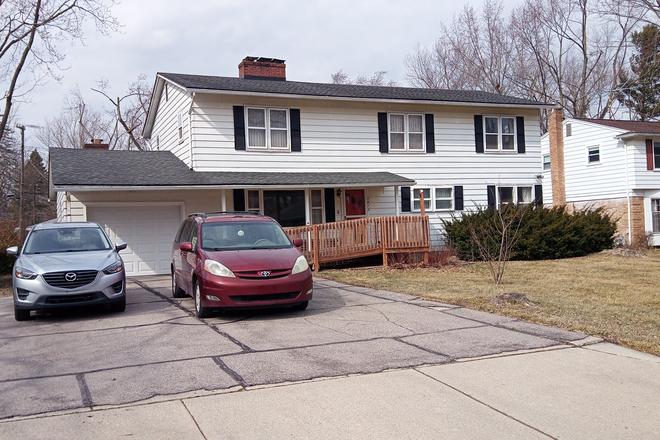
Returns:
point(115, 168)
point(221, 83)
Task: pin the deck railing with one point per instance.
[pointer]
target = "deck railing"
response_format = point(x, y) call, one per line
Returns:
point(362, 237)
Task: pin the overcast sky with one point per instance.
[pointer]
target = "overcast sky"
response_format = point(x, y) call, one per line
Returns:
point(211, 37)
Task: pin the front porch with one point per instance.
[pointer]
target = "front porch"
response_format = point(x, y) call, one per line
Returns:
point(363, 237)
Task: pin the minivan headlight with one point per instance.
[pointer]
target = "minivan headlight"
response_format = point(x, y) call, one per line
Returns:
point(300, 266)
point(114, 268)
point(219, 269)
point(25, 274)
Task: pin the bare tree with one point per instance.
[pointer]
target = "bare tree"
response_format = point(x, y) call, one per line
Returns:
point(565, 51)
point(377, 79)
point(30, 32)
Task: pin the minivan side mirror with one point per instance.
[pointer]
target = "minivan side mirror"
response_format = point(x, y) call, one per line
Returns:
point(186, 246)
point(12, 250)
point(120, 246)
point(298, 242)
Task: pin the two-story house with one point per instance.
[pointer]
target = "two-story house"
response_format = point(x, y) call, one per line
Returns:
point(303, 153)
point(606, 163)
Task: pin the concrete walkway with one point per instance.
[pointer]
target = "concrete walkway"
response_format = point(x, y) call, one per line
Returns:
point(339, 370)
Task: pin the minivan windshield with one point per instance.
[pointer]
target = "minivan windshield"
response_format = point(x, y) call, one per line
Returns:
point(69, 239)
point(222, 236)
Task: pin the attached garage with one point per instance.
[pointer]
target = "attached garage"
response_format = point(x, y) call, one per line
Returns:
point(148, 230)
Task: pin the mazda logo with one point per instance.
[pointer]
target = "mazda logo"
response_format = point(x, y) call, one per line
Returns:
point(71, 276)
point(264, 273)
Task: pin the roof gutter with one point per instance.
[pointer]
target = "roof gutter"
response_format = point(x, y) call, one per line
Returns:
point(632, 135)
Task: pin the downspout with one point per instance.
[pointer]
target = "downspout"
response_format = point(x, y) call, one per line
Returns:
point(628, 192)
point(190, 136)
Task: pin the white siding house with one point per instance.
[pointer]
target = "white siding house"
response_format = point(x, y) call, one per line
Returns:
point(307, 153)
point(609, 163)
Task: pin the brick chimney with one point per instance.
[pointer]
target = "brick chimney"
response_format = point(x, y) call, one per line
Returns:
point(556, 137)
point(96, 144)
point(262, 68)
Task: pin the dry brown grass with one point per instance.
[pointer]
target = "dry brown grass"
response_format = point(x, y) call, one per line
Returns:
point(613, 297)
point(5, 285)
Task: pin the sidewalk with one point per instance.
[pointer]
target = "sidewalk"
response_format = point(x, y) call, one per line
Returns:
point(599, 391)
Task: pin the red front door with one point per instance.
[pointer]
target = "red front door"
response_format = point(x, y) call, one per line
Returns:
point(355, 203)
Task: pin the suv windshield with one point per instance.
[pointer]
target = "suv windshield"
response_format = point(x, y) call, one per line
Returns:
point(223, 236)
point(48, 241)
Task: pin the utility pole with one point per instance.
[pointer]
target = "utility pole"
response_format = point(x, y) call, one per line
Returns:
point(20, 201)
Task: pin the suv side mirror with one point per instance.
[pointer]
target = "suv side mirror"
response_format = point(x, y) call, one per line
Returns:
point(298, 242)
point(120, 246)
point(12, 250)
point(186, 246)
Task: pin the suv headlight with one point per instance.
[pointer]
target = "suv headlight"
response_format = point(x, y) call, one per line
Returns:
point(114, 268)
point(300, 266)
point(215, 268)
point(25, 274)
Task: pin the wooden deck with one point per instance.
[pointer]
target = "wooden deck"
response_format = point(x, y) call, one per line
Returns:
point(350, 239)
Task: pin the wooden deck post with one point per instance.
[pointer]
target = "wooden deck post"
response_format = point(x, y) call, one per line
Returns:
point(421, 202)
point(316, 248)
point(383, 239)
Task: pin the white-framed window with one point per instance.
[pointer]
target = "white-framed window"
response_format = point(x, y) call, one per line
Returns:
point(435, 199)
point(254, 200)
point(179, 121)
point(316, 206)
point(267, 129)
point(406, 131)
point(546, 162)
point(593, 154)
point(656, 155)
point(500, 133)
point(569, 130)
point(655, 212)
point(522, 195)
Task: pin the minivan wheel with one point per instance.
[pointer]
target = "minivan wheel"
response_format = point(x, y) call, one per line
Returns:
point(200, 310)
point(21, 314)
point(177, 292)
point(300, 307)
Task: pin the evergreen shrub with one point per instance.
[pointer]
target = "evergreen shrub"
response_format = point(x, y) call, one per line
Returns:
point(545, 233)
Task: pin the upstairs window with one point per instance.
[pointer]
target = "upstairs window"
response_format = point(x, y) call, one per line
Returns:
point(268, 129)
point(593, 155)
point(180, 126)
point(406, 132)
point(569, 130)
point(656, 155)
point(500, 133)
point(546, 162)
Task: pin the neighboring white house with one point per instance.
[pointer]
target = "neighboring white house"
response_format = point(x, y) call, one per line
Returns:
point(609, 163)
point(303, 153)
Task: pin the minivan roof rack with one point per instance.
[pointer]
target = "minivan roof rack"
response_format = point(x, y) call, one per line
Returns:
point(206, 214)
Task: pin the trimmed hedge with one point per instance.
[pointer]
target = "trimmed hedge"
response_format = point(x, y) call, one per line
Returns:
point(545, 233)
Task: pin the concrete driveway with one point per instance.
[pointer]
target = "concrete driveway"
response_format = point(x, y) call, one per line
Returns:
point(504, 377)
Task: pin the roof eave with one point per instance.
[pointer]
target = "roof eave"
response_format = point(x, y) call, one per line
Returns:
point(104, 188)
point(631, 135)
point(379, 100)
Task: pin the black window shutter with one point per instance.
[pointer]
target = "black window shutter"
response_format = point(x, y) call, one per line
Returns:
point(405, 199)
point(239, 127)
point(492, 200)
point(329, 194)
point(239, 200)
point(479, 133)
point(520, 127)
point(296, 143)
point(458, 198)
point(382, 133)
point(538, 194)
point(430, 133)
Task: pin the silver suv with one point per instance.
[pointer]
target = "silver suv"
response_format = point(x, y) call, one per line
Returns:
point(67, 264)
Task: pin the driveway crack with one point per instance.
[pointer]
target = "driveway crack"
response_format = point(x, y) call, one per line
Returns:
point(390, 321)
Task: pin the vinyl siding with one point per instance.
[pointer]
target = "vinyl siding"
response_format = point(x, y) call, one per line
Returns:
point(640, 177)
point(166, 123)
point(600, 181)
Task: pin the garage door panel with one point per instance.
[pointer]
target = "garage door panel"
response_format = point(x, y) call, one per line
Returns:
point(148, 231)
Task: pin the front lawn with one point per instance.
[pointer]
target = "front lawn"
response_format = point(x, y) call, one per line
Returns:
point(613, 297)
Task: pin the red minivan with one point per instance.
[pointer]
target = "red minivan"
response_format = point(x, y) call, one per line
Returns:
point(238, 259)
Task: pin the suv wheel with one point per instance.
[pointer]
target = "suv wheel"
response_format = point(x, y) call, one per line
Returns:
point(177, 292)
point(200, 310)
point(21, 314)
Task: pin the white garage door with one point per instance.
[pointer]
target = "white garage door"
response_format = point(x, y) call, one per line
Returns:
point(149, 232)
